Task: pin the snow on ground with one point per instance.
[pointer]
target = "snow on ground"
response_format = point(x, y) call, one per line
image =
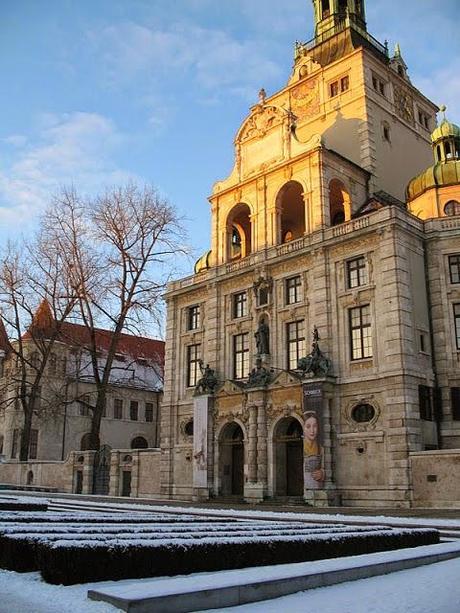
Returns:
point(428, 589)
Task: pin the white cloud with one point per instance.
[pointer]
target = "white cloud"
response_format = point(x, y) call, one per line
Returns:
point(16, 140)
point(71, 148)
point(212, 57)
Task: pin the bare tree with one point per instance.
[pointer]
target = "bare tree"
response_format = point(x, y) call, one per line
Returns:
point(35, 299)
point(119, 249)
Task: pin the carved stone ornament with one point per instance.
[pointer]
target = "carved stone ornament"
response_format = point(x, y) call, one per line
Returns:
point(404, 104)
point(260, 122)
point(315, 364)
point(262, 288)
point(361, 426)
point(305, 100)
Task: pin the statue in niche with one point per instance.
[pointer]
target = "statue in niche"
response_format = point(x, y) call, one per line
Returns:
point(259, 376)
point(315, 363)
point(208, 382)
point(262, 337)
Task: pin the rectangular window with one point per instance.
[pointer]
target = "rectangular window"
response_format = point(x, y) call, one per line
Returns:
point(454, 268)
point(15, 445)
point(295, 343)
point(425, 401)
point(378, 85)
point(457, 323)
point(334, 89)
point(193, 317)
point(240, 305)
point(455, 402)
point(360, 332)
point(118, 408)
point(133, 410)
point(193, 364)
point(424, 119)
point(240, 356)
point(149, 411)
point(345, 83)
point(357, 272)
point(33, 444)
point(293, 285)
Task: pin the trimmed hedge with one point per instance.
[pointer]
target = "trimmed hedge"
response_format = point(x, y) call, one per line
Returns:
point(67, 564)
point(23, 506)
point(82, 517)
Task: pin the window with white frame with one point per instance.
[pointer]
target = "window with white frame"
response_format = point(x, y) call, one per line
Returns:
point(360, 332)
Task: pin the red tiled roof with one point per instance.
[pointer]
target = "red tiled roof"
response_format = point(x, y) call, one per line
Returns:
point(137, 347)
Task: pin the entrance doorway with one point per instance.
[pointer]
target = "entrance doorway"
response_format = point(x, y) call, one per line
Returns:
point(288, 456)
point(231, 465)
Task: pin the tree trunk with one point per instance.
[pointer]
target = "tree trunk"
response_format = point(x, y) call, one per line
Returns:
point(25, 435)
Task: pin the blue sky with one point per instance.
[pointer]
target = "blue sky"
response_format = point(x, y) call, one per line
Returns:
point(96, 93)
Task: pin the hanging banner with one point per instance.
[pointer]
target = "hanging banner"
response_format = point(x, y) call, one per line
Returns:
point(313, 450)
point(200, 441)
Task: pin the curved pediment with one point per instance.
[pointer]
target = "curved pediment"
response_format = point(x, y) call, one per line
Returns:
point(260, 121)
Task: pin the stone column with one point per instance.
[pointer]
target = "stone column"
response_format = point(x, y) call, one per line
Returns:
point(262, 446)
point(114, 487)
point(202, 406)
point(88, 472)
point(252, 445)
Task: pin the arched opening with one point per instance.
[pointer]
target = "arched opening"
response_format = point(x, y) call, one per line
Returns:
point(231, 460)
point(139, 443)
point(291, 203)
point(339, 203)
point(30, 477)
point(288, 456)
point(239, 232)
point(84, 444)
point(452, 208)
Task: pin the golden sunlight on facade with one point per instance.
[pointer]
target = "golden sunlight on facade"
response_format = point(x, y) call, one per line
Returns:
point(313, 355)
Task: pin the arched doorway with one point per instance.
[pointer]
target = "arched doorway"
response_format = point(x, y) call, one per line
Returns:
point(288, 456)
point(339, 203)
point(231, 464)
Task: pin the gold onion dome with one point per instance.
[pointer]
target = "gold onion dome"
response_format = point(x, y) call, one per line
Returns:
point(202, 263)
point(446, 170)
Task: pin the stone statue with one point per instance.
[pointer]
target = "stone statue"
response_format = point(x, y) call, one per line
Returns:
point(315, 362)
point(262, 337)
point(208, 382)
point(259, 376)
point(262, 96)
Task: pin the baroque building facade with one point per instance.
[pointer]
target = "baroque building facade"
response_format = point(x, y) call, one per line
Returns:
point(315, 349)
point(67, 392)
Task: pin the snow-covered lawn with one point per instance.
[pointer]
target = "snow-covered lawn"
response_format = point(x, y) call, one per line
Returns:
point(429, 589)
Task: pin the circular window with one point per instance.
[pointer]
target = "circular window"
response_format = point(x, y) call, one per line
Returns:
point(363, 413)
point(188, 428)
point(452, 208)
point(127, 458)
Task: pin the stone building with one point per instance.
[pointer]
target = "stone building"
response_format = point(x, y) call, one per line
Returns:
point(62, 417)
point(314, 352)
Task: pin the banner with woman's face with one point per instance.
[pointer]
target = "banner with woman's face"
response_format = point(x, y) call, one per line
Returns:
point(313, 449)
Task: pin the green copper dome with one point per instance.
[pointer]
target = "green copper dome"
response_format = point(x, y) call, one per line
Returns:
point(439, 175)
point(446, 129)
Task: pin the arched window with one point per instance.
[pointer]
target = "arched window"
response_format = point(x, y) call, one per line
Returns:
point(188, 428)
point(139, 443)
point(84, 445)
point(35, 359)
point(452, 208)
point(291, 203)
point(339, 203)
point(239, 232)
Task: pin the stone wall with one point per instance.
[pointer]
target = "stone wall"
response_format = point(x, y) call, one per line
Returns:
point(57, 475)
point(435, 476)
